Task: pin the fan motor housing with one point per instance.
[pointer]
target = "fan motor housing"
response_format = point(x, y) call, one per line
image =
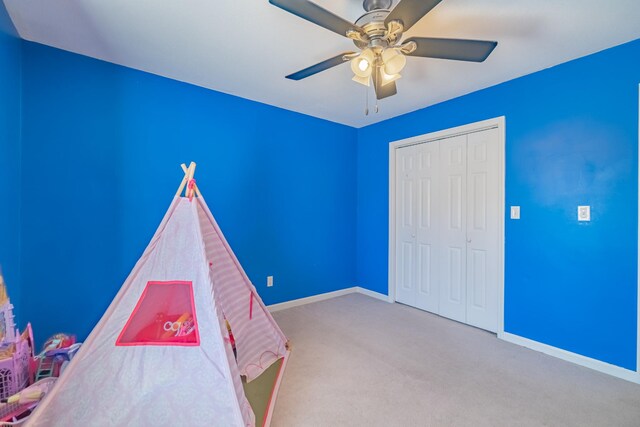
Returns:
point(373, 17)
point(377, 33)
point(370, 5)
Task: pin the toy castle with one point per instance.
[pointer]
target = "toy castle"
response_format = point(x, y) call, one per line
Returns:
point(15, 349)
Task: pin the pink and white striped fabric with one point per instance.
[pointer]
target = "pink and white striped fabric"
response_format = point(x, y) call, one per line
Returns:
point(259, 340)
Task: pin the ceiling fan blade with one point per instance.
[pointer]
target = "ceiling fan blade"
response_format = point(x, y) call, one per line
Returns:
point(320, 66)
point(457, 49)
point(411, 11)
point(316, 14)
point(386, 91)
point(383, 91)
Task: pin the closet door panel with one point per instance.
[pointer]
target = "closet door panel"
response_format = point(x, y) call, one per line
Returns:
point(427, 224)
point(453, 253)
point(482, 230)
point(406, 226)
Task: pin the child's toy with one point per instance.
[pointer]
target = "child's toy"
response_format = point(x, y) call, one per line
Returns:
point(232, 340)
point(162, 354)
point(16, 350)
point(15, 409)
point(57, 351)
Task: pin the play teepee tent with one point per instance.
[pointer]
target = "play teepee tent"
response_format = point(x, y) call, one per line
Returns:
point(164, 353)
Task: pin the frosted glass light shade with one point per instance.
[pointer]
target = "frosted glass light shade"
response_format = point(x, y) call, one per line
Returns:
point(388, 78)
point(362, 65)
point(394, 61)
point(362, 80)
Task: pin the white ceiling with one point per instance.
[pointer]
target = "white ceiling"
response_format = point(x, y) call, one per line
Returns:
point(246, 47)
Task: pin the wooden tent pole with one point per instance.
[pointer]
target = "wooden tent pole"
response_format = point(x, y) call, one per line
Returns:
point(184, 168)
point(191, 172)
point(184, 180)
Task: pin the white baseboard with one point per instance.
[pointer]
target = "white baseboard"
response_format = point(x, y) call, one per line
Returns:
point(308, 300)
point(321, 297)
point(578, 359)
point(373, 294)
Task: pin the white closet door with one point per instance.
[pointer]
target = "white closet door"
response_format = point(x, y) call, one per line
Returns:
point(482, 229)
point(447, 227)
point(405, 226)
point(427, 225)
point(453, 277)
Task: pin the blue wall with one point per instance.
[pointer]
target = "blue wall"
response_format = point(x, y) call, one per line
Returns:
point(10, 77)
point(102, 146)
point(572, 139)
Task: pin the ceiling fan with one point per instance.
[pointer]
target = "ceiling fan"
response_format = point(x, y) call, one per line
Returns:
point(377, 34)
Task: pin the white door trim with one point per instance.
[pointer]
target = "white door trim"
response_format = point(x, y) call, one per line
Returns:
point(499, 123)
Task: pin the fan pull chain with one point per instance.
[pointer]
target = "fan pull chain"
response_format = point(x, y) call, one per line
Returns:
point(366, 101)
point(375, 85)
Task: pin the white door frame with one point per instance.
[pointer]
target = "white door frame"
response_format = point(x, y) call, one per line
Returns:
point(638, 264)
point(499, 123)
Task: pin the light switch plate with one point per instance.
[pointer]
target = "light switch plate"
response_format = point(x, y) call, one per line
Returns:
point(269, 281)
point(515, 212)
point(584, 213)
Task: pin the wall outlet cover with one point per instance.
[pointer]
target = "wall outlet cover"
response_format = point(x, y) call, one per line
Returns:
point(584, 213)
point(515, 212)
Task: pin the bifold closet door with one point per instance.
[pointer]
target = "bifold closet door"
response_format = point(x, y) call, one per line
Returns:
point(453, 235)
point(447, 227)
point(405, 226)
point(482, 229)
point(417, 220)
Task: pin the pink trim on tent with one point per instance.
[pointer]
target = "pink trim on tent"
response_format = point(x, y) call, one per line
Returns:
point(250, 305)
point(274, 393)
point(190, 187)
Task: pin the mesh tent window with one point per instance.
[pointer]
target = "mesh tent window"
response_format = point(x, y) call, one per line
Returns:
point(164, 315)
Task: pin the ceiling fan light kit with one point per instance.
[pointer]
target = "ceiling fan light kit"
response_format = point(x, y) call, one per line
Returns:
point(378, 34)
point(393, 60)
point(362, 65)
point(386, 78)
point(366, 81)
point(390, 61)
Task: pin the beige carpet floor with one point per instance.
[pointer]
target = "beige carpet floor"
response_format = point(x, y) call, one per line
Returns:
point(357, 361)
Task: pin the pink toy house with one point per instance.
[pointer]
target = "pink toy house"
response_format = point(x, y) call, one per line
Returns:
point(15, 349)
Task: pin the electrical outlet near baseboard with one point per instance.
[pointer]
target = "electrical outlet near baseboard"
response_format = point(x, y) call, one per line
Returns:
point(269, 281)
